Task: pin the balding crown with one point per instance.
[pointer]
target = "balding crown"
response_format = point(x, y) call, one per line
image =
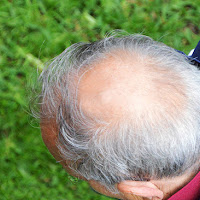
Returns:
point(120, 85)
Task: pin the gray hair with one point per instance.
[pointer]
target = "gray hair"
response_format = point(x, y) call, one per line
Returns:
point(130, 149)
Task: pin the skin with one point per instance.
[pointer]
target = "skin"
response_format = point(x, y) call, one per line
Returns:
point(116, 89)
point(113, 87)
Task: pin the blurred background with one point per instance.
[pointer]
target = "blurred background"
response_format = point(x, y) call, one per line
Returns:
point(33, 32)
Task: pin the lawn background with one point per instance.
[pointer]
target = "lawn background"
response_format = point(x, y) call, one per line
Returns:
point(34, 31)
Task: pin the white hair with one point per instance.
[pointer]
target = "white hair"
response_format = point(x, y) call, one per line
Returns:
point(111, 153)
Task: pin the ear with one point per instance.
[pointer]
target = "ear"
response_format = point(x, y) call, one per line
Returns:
point(139, 188)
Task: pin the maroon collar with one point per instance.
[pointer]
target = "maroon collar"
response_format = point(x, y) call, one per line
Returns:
point(190, 192)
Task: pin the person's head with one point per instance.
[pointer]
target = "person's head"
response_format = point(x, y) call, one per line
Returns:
point(123, 113)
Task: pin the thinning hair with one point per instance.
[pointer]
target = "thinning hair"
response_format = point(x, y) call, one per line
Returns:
point(136, 149)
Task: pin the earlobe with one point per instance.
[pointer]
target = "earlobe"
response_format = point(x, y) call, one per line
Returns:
point(139, 188)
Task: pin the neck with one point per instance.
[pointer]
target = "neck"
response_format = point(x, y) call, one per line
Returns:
point(172, 185)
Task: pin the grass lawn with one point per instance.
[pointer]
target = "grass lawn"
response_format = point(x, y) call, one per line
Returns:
point(34, 31)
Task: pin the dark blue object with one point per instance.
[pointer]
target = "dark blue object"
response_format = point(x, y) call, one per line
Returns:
point(196, 53)
point(195, 57)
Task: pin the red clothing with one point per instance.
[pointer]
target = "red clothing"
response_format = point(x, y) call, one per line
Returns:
point(190, 192)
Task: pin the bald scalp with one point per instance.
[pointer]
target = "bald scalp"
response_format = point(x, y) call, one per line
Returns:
point(122, 85)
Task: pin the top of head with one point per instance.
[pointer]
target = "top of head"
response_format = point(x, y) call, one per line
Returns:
point(122, 86)
point(126, 108)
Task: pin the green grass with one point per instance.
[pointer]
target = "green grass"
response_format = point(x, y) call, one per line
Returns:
point(34, 31)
